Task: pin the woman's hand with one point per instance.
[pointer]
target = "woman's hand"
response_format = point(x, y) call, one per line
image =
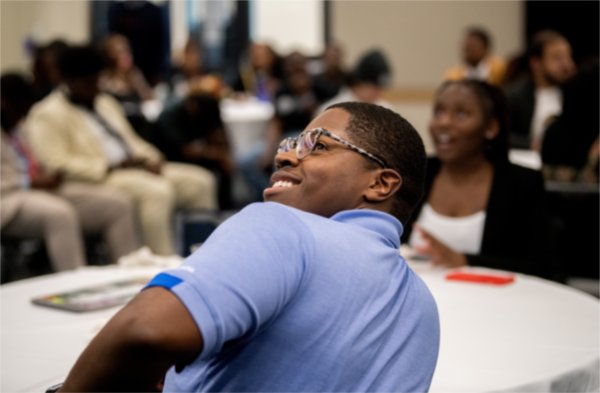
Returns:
point(438, 253)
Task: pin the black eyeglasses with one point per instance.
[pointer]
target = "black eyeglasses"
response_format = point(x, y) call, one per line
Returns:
point(305, 143)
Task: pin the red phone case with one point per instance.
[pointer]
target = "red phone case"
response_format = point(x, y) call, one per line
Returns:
point(481, 278)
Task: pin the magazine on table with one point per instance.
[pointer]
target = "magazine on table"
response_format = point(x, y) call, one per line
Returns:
point(96, 297)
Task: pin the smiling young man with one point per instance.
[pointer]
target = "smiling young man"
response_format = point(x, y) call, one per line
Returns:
point(305, 292)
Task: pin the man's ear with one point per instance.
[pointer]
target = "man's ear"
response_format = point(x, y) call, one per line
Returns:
point(385, 184)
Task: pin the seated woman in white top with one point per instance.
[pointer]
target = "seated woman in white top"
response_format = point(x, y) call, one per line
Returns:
point(478, 208)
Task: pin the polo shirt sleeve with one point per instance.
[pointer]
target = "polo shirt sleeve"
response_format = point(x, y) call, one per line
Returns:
point(243, 276)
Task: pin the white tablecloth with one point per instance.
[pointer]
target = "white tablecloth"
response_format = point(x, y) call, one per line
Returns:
point(39, 345)
point(532, 335)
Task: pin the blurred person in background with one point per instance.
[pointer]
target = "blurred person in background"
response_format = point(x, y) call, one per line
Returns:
point(192, 131)
point(260, 72)
point(125, 82)
point(46, 75)
point(334, 76)
point(85, 135)
point(533, 102)
point(36, 202)
point(294, 105)
point(477, 59)
point(186, 67)
point(571, 150)
point(295, 101)
point(145, 24)
point(369, 79)
point(479, 209)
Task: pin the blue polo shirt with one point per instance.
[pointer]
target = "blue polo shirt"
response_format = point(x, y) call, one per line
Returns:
point(290, 301)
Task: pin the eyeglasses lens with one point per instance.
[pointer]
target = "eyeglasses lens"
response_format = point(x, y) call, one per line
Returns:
point(286, 145)
point(303, 144)
point(306, 143)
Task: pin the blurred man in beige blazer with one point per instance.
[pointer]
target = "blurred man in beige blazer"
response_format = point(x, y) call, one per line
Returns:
point(37, 203)
point(85, 135)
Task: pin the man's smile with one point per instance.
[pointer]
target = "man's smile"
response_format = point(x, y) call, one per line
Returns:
point(280, 181)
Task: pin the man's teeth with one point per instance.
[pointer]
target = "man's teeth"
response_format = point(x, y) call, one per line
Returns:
point(282, 183)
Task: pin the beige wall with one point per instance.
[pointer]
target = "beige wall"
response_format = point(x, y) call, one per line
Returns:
point(40, 20)
point(422, 38)
point(289, 25)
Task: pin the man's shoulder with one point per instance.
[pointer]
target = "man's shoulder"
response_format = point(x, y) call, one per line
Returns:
point(520, 88)
point(281, 222)
point(105, 97)
point(49, 104)
point(105, 100)
point(263, 211)
point(266, 228)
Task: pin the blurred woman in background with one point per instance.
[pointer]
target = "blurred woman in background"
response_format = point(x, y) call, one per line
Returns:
point(124, 81)
point(478, 208)
point(260, 72)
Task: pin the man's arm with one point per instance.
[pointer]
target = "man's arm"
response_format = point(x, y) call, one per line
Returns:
point(137, 346)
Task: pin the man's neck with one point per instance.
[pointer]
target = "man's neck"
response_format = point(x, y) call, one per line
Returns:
point(542, 82)
point(84, 103)
point(89, 105)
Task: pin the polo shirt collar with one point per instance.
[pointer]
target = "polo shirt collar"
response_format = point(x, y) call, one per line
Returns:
point(383, 223)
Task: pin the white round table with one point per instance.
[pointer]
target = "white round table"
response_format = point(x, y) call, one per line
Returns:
point(531, 335)
point(39, 344)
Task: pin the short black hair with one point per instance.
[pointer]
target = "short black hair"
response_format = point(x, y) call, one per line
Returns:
point(53, 49)
point(14, 86)
point(494, 106)
point(17, 97)
point(17, 89)
point(373, 67)
point(80, 61)
point(391, 137)
point(482, 34)
point(540, 40)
